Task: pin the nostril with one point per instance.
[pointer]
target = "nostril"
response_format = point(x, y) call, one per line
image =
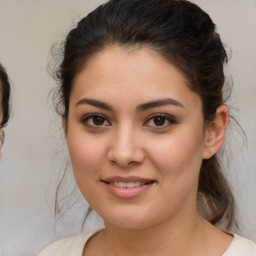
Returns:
point(126, 157)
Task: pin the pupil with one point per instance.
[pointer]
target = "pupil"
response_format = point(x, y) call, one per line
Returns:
point(98, 120)
point(159, 121)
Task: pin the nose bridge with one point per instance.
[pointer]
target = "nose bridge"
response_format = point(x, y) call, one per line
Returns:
point(125, 147)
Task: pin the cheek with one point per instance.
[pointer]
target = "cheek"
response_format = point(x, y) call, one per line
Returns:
point(180, 154)
point(86, 158)
point(85, 153)
point(178, 161)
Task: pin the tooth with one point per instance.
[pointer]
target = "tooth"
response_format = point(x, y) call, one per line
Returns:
point(130, 184)
point(122, 185)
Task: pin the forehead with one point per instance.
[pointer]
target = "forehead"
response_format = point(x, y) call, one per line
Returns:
point(128, 72)
point(132, 58)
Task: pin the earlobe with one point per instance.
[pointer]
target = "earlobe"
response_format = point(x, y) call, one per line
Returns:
point(215, 132)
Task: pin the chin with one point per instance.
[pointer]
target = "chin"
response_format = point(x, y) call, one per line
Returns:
point(129, 221)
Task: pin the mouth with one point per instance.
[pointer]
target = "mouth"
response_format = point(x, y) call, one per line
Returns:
point(127, 187)
point(130, 184)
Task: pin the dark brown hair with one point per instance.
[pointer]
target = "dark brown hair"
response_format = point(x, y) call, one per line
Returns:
point(186, 37)
point(5, 96)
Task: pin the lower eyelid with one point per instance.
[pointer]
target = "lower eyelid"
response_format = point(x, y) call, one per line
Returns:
point(167, 117)
point(84, 119)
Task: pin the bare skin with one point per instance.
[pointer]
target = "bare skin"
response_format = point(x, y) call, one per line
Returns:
point(201, 240)
point(133, 117)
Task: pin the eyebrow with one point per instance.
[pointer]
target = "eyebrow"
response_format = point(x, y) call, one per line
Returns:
point(95, 103)
point(159, 103)
point(141, 107)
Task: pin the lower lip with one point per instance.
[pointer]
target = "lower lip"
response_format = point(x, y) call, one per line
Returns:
point(127, 193)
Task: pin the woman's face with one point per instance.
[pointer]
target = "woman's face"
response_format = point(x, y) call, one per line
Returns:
point(136, 138)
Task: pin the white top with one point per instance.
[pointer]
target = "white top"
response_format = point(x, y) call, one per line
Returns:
point(74, 246)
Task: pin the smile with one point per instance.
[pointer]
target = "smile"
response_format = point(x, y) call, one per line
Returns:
point(127, 184)
point(128, 187)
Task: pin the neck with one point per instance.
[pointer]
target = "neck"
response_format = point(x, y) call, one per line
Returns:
point(178, 237)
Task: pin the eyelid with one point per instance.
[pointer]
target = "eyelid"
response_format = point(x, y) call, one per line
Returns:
point(168, 117)
point(92, 115)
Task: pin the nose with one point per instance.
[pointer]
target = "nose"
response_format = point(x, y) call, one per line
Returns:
point(125, 149)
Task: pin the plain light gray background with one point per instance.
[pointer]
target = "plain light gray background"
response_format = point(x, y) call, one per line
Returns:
point(34, 150)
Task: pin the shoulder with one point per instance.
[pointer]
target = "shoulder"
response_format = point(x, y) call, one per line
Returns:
point(241, 246)
point(71, 246)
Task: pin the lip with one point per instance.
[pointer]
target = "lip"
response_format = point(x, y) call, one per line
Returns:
point(127, 193)
point(126, 179)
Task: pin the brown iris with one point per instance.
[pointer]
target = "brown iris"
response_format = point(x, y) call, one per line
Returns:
point(159, 120)
point(98, 120)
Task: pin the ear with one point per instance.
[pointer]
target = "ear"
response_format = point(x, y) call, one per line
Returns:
point(215, 132)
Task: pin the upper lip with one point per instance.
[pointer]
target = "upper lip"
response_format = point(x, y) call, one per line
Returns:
point(127, 179)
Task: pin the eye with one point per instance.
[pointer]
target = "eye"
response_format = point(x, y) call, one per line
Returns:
point(160, 121)
point(95, 120)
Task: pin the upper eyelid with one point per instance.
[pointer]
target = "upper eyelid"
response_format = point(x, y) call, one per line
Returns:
point(93, 115)
point(162, 115)
point(169, 117)
point(87, 116)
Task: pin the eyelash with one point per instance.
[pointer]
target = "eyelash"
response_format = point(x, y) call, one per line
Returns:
point(85, 120)
point(166, 118)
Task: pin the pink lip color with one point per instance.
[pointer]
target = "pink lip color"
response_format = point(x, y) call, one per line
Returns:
point(127, 193)
point(126, 179)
